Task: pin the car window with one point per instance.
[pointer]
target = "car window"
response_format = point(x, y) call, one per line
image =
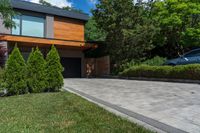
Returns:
point(193, 53)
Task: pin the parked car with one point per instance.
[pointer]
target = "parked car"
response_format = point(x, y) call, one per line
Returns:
point(191, 57)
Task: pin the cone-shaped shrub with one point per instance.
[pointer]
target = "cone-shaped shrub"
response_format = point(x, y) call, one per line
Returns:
point(36, 72)
point(15, 74)
point(54, 70)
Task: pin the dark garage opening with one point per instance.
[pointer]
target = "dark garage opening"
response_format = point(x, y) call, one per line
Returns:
point(72, 67)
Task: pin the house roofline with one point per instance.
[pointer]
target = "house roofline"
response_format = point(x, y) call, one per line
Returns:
point(29, 6)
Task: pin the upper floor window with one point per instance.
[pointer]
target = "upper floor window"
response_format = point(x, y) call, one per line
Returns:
point(29, 26)
point(16, 29)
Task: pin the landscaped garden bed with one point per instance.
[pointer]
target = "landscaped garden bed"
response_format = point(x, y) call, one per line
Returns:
point(49, 112)
point(59, 112)
point(189, 72)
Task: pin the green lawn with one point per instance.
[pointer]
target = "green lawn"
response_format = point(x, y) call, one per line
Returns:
point(59, 113)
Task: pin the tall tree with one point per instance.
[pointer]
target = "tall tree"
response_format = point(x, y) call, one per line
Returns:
point(179, 23)
point(43, 2)
point(6, 13)
point(124, 23)
point(72, 9)
point(92, 32)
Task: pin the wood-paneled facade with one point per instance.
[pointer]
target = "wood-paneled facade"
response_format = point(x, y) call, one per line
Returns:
point(68, 29)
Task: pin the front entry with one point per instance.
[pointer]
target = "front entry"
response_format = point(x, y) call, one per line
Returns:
point(72, 67)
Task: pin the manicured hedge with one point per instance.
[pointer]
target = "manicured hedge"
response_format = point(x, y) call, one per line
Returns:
point(177, 72)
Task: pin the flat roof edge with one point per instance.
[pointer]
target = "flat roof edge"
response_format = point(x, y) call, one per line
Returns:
point(29, 6)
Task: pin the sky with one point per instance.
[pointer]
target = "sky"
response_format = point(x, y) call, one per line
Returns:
point(84, 5)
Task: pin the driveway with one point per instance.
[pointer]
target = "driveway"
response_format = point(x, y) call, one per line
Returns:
point(160, 104)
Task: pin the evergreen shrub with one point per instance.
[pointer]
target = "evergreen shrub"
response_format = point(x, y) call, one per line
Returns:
point(15, 76)
point(36, 75)
point(54, 71)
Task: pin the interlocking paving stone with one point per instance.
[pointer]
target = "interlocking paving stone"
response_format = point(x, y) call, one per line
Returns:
point(173, 104)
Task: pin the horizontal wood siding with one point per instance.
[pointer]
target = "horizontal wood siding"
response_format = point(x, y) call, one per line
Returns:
point(68, 29)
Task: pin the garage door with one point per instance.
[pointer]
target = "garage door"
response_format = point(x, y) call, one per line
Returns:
point(72, 67)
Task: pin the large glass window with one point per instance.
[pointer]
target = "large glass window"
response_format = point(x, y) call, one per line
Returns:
point(16, 29)
point(29, 26)
point(32, 26)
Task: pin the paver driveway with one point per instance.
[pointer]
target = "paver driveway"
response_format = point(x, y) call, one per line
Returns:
point(175, 104)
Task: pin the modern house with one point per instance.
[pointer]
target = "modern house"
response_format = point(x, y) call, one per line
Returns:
point(42, 26)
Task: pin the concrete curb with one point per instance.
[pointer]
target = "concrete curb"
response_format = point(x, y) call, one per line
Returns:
point(149, 123)
point(153, 79)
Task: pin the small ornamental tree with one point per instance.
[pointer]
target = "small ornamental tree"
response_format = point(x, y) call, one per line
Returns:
point(15, 74)
point(36, 72)
point(54, 70)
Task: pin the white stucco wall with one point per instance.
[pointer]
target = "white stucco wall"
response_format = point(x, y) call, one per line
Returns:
point(2, 27)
